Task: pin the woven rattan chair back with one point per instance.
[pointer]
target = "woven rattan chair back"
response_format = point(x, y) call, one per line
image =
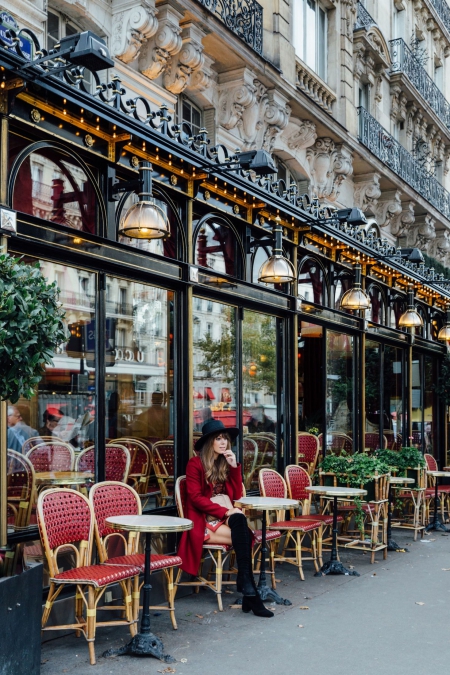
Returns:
point(372, 441)
point(117, 462)
point(140, 456)
point(37, 440)
point(180, 495)
point(339, 442)
point(52, 456)
point(164, 458)
point(308, 451)
point(297, 480)
point(250, 454)
point(66, 520)
point(112, 498)
point(272, 484)
point(431, 462)
point(19, 489)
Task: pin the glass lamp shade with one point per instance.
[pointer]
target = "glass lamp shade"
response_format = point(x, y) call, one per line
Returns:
point(444, 333)
point(145, 220)
point(276, 270)
point(355, 299)
point(410, 319)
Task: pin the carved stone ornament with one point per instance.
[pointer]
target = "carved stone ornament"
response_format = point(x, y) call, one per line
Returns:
point(404, 221)
point(329, 165)
point(257, 114)
point(167, 42)
point(189, 59)
point(367, 191)
point(388, 207)
point(440, 247)
point(300, 134)
point(423, 233)
point(348, 17)
point(398, 105)
point(131, 28)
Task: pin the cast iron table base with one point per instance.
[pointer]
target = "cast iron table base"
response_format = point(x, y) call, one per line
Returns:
point(144, 643)
point(391, 544)
point(436, 522)
point(333, 566)
point(266, 593)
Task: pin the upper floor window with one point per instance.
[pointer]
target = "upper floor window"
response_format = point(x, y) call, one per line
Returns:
point(364, 98)
point(191, 114)
point(310, 34)
point(439, 74)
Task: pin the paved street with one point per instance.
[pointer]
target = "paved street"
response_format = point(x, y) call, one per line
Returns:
point(369, 624)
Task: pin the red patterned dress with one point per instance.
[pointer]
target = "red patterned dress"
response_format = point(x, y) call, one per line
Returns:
point(213, 525)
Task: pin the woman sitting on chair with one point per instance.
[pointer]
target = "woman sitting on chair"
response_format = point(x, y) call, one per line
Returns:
point(213, 483)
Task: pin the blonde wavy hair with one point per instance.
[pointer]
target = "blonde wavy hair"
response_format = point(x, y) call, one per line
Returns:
point(216, 470)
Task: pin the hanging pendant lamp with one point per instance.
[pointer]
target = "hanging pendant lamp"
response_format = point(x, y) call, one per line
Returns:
point(145, 219)
point(444, 333)
point(277, 269)
point(356, 298)
point(411, 318)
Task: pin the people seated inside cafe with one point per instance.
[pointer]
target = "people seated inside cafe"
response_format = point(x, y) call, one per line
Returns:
point(154, 421)
point(259, 421)
point(18, 431)
point(51, 418)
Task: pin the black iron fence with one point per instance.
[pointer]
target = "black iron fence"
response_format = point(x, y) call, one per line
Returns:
point(404, 61)
point(242, 17)
point(443, 10)
point(363, 18)
point(396, 157)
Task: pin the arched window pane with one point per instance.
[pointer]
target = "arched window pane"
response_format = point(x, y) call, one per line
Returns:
point(53, 186)
point(376, 305)
point(311, 282)
point(216, 248)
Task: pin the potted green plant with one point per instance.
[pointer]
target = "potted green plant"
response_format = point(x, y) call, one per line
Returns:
point(31, 327)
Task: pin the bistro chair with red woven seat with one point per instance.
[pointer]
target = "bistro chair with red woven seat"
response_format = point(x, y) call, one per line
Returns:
point(297, 480)
point(337, 442)
point(443, 490)
point(164, 466)
point(52, 456)
point(372, 441)
point(141, 468)
point(217, 554)
point(273, 485)
point(308, 451)
point(37, 440)
point(113, 499)
point(66, 523)
point(117, 461)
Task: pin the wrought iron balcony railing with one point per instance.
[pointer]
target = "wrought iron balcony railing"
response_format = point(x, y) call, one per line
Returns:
point(442, 8)
point(363, 18)
point(396, 157)
point(404, 61)
point(242, 17)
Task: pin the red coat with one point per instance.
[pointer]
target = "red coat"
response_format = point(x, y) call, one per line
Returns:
point(198, 505)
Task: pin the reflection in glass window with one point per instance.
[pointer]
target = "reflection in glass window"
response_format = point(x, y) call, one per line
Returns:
point(214, 364)
point(342, 285)
point(310, 378)
point(397, 308)
point(216, 248)
point(376, 305)
point(417, 403)
point(139, 389)
point(310, 34)
point(429, 405)
point(393, 396)
point(311, 282)
point(54, 187)
point(339, 403)
point(165, 247)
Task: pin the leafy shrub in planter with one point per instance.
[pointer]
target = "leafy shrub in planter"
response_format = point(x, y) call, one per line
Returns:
point(406, 458)
point(31, 327)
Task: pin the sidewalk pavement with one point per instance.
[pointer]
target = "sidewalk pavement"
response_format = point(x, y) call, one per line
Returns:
point(392, 620)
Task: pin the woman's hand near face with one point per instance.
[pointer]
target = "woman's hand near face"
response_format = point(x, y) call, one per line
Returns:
point(231, 458)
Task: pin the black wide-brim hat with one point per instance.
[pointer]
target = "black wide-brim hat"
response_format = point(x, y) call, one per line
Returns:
point(214, 428)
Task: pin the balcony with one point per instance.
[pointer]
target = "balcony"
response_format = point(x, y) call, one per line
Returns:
point(398, 159)
point(404, 61)
point(244, 18)
point(314, 87)
point(443, 11)
point(363, 18)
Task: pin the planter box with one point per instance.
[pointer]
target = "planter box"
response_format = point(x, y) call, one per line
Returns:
point(20, 619)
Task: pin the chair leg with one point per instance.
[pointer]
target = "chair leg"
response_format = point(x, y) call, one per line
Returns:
point(91, 622)
point(219, 570)
point(298, 553)
point(272, 563)
point(136, 598)
point(171, 596)
point(78, 609)
point(314, 550)
point(319, 545)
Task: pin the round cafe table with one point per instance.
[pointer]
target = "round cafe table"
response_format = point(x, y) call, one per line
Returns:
point(436, 523)
point(62, 478)
point(333, 566)
point(146, 643)
point(394, 481)
point(265, 504)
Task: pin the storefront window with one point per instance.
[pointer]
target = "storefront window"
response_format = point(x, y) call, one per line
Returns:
point(53, 186)
point(216, 247)
point(393, 396)
point(310, 378)
point(373, 397)
point(339, 403)
point(342, 285)
point(428, 408)
point(259, 395)
point(139, 361)
point(417, 424)
point(214, 363)
point(311, 282)
point(376, 305)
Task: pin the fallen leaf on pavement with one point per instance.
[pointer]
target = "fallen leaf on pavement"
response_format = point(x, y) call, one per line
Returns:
point(235, 606)
point(420, 603)
point(303, 607)
point(167, 670)
point(229, 592)
point(199, 616)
